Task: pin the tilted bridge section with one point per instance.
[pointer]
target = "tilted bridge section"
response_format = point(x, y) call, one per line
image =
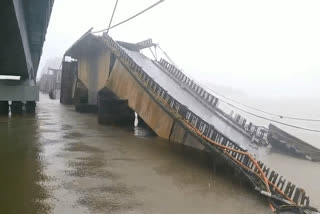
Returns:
point(132, 78)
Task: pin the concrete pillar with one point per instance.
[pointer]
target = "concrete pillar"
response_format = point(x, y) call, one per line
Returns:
point(30, 107)
point(81, 93)
point(16, 107)
point(4, 107)
point(114, 111)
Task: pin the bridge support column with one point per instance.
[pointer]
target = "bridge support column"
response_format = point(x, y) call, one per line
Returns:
point(81, 99)
point(16, 107)
point(69, 70)
point(4, 107)
point(112, 110)
point(115, 112)
point(30, 107)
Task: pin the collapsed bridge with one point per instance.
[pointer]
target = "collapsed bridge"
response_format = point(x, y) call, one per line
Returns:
point(116, 80)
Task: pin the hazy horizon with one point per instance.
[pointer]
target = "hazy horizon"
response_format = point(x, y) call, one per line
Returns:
point(265, 49)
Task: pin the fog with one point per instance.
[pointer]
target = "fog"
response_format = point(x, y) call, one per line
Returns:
point(262, 48)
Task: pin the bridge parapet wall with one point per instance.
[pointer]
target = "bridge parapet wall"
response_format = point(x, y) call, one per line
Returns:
point(188, 125)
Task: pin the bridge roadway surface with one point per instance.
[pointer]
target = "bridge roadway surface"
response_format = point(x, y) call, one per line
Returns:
point(183, 96)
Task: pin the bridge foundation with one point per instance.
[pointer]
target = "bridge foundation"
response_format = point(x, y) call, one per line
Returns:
point(86, 108)
point(80, 93)
point(16, 107)
point(30, 107)
point(112, 110)
point(4, 107)
point(68, 79)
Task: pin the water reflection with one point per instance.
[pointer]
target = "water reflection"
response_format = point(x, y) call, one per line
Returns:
point(21, 166)
point(141, 132)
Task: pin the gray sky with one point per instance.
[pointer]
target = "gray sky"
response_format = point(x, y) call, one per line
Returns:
point(263, 48)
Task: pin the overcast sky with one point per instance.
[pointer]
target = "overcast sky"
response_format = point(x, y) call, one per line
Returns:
point(263, 48)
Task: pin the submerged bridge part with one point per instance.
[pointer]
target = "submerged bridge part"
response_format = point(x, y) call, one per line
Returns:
point(112, 110)
point(129, 80)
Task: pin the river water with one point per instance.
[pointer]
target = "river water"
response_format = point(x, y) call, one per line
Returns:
point(60, 161)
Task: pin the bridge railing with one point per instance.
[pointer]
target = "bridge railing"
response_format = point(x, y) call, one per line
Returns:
point(213, 101)
point(179, 75)
point(279, 186)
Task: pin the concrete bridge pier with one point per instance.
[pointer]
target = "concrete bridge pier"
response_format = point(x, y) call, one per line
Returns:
point(30, 107)
point(112, 110)
point(81, 99)
point(68, 82)
point(16, 107)
point(81, 93)
point(4, 107)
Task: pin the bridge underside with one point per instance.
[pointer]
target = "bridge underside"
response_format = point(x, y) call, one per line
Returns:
point(12, 55)
point(23, 29)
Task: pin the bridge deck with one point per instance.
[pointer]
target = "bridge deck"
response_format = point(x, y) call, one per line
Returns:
point(187, 99)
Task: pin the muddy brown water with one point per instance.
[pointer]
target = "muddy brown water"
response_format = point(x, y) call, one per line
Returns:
point(60, 161)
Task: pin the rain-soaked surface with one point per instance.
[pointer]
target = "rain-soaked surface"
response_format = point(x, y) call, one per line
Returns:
point(60, 161)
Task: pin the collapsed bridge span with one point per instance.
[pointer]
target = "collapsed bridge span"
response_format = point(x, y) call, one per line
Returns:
point(187, 117)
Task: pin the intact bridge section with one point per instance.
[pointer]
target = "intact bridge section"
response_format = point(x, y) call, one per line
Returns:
point(116, 80)
point(23, 29)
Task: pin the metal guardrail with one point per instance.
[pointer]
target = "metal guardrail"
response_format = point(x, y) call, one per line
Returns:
point(186, 81)
point(258, 133)
point(276, 186)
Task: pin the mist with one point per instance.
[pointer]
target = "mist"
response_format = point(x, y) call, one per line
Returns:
point(264, 49)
